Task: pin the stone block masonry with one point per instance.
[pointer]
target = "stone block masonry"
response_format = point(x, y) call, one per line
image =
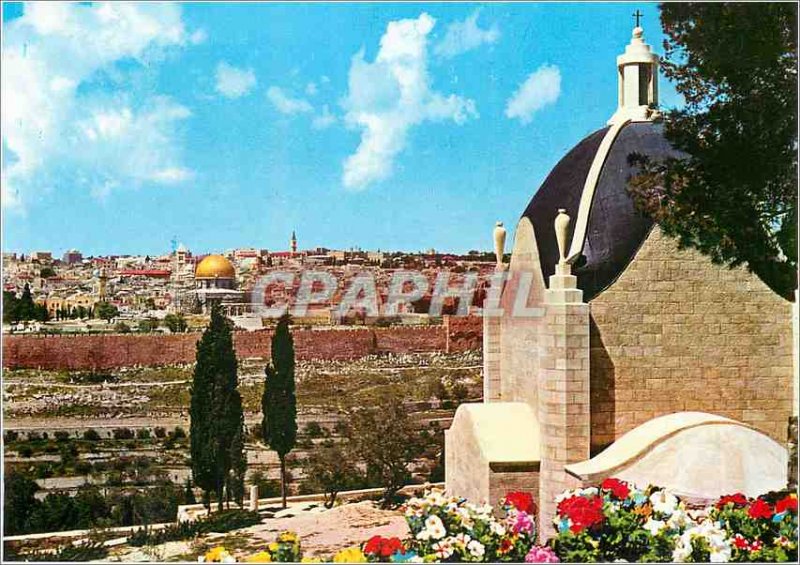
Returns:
point(678, 333)
point(99, 351)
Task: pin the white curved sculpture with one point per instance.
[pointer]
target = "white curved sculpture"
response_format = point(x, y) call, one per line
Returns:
point(698, 456)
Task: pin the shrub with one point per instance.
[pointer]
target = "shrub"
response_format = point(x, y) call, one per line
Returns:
point(267, 488)
point(160, 432)
point(143, 433)
point(83, 467)
point(87, 551)
point(91, 435)
point(25, 450)
point(314, 430)
point(179, 433)
point(10, 436)
point(123, 433)
point(219, 522)
point(61, 436)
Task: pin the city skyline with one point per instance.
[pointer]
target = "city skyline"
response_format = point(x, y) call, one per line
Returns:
point(229, 126)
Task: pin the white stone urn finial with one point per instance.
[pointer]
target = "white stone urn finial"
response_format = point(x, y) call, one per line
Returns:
point(562, 226)
point(499, 243)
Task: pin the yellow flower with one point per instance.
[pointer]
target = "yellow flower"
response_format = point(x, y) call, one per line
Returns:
point(350, 555)
point(273, 546)
point(216, 554)
point(287, 537)
point(260, 557)
point(311, 560)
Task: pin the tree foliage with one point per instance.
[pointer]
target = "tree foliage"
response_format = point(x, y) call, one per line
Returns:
point(216, 409)
point(175, 322)
point(279, 405)
point(22, 308)
point(106, 311)
point(330, 469)
point(386, 441)
point(733, 196)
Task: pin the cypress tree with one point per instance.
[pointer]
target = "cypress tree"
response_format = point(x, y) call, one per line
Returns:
point(26, 307)
point(216, 408)
point(279, 405)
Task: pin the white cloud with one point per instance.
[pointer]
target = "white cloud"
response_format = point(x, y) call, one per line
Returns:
point(198, 36)
point(461, 37)
point(173, 175)
point(233, 82)
point(60, 127)
point(285, 104)
point(311, 88)
point(324, 120)
point(389, 96)
point(542, 87)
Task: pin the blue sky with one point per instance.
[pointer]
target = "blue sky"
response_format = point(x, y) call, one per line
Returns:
point(391, 126)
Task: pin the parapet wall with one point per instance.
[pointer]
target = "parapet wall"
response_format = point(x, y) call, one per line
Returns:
point(83, 352)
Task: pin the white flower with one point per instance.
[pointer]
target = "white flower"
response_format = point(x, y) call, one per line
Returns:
point(679, 520)
point(228, 558)
point(476, 549)
point(654, 526)
point(435, 527)
point(443, 549)
point(466, 518)
point(497, 529)
point(711, 532)
point(462, 539)
point(663, 502)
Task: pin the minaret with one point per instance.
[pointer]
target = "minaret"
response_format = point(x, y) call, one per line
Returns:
point(637, 74)
point(294, 244)
point(101, 290)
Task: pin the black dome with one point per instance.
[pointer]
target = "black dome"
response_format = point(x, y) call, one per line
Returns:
point(615, 229)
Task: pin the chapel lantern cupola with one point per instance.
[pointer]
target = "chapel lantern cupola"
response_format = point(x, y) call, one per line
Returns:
point(637, 74)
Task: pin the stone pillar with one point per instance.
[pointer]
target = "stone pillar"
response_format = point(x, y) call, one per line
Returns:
point(491, 358)
point(253, 506)
point(563, 406)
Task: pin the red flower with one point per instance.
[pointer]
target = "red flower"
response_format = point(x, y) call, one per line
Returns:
point(760, 509)
point(756, 545)
point(788, 503)
point(373, 545)
point(740, 542)
point(738, 500)
point(385, 547)
point(505, 546)
point(522, 501)
point(619, 489)
point(583, 512)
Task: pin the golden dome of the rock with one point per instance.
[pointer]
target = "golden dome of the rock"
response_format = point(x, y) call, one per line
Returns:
point(213, 267)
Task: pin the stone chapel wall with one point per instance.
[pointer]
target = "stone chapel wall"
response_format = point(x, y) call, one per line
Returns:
point(676, 332)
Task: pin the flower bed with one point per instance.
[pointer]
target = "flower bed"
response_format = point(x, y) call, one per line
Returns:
point(613, 522)
point(619, 521)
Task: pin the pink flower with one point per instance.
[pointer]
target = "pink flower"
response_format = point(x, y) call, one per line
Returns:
point(541, 554)
point(523, 523)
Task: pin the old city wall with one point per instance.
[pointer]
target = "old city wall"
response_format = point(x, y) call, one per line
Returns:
point(125, 350)
point(676, 332)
